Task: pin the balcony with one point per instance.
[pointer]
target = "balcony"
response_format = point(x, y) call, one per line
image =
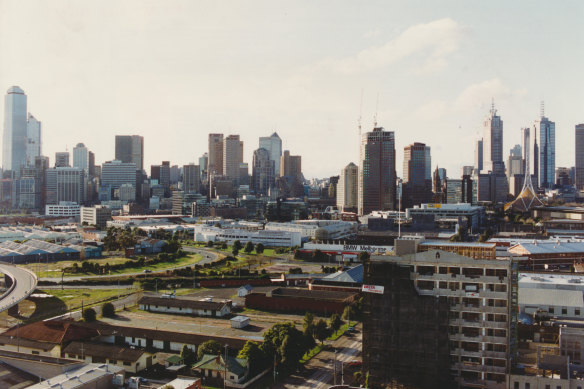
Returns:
point(478, 367)
point(493, 295)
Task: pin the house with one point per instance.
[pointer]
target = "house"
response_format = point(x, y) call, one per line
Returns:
point(46, 338)
point(185, 306)
point(213, 368)
point(150, 246)
point(243, 290)
point(132, 360)
point(239, 322)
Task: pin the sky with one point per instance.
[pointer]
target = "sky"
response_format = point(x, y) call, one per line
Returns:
point(175, 71)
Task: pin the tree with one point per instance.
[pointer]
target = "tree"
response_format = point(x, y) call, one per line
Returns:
point(235, 251)
point(308, 323)
point(335, 322)
point(256, 358)
point(287, 343)
point(224, 246)
point(210, 243)
point(188, 355)
point(89, 315)
point(321, 331)
point(349, 312)
point(108, 310)
point(237, 245)
point(259, 248)
point(364, 256)
point(211, 347)
point(248, 247)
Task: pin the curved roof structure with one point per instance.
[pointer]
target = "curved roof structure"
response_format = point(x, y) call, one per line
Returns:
point(24, 283)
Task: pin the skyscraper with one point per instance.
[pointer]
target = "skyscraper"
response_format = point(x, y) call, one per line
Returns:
point(33, 139)
point(347, 188)
point(493, 143)
point(191, 178)
point(65, 184)
point(290, 165)
point(545, 130)
point(263, 171)
point(580, 156)
point(81, 157)
point(417, 184)
point(273, 144)
point(130, 149)
point(62, 159)
point(377, 171)
point(232, 157)
point(14, 141)
point(478, 156)
point(215, 161)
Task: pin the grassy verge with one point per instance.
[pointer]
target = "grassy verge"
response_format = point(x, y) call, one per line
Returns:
point(311, 353)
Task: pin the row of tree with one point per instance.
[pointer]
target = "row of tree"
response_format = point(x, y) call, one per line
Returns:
point(96, 268)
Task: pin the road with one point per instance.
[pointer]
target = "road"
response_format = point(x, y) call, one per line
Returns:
point(24, 283)
point(319, 371)
point(123, 302)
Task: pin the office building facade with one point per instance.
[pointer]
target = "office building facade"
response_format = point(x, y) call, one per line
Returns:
point(347, 188)
point(263, 171)
point(81, 157)
point(290, 165)
point(65, 184)
point(33, 139)
point(15, 130)
point(232, 157)
point(579, 158)
point(130, 149)
point(215, 158)
point(417, 180)
point(545, 130)
point(191, 178)
point(493, 143)
point(273, 144)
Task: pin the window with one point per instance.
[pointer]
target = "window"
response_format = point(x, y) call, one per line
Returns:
point(35, 352)
point(547, 386)
point(577, 312)
point(127, 364)
point(516, 385)
point(527, 385)
point(564, 311)
point(551, 309)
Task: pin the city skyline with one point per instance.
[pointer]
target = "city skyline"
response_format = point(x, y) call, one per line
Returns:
point(304, 80)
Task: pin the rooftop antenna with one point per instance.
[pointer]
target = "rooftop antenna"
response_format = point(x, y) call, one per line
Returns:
point(542, 109)
point(376, 107)
point(360, 112)
point(492, 104)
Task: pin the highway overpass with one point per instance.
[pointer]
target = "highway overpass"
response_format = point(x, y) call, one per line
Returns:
point(20, 283)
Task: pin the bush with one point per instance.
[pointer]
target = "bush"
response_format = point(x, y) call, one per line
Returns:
point(89, 315)
point(108, 310)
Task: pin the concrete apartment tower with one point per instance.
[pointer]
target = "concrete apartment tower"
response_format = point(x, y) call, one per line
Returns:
point(273, 144)
point(347, 188)
point(14, 141)
point(130, 149)
point(580, 156)
point(232, 157)
point(191, 178)
point(377, 176)
point(545, 131)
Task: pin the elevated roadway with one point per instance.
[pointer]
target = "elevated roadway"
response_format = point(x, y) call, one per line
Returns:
point(20, 283)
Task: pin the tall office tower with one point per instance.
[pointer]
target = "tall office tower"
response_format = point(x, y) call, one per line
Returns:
point(65, 184)
point(478, 166)
point(377, 176)
point(130, 149)
point(14, 141)
point(460, 334)
point(81, 157)
point(263, 171)
point(162, 174)
point(203, 161)
point(545, 130)
point(174, 174)
point(115, 173)
point(515, 162)
point(215, 162)
point(467, 170)
point(191, 178)
point(33, 139)
point(244, 174)
point(467, 189)
point(493, 143)
point(290, 165)
point(579, 176)
point(62, 159)
point(417, 186)
point(91, 164)
point(453, 191)
point(232, 157)
point(347, 188)
point(273, 144)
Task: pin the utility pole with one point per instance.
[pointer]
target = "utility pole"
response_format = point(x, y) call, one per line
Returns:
point(274, 366)
point(335, 369)
point(225, 371)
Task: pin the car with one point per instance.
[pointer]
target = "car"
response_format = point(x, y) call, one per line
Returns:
point(351, 329)
point(147, 271)
point(354, 363)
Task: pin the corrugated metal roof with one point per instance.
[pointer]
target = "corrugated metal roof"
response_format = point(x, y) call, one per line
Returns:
point(551, 297)
point(551, 247)
point(353, 275)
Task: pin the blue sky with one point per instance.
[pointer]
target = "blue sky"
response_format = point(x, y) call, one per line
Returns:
point(174, 71)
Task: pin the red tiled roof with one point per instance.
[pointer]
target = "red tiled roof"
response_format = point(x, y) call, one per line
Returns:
point(55, 331)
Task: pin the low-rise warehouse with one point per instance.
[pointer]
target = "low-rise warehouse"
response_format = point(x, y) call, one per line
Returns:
point(185, 306)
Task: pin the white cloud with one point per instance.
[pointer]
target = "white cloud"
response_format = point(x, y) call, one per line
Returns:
point(434, 41)
point(474, 96)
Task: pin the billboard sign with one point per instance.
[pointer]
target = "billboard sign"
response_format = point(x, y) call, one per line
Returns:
point(372, 289)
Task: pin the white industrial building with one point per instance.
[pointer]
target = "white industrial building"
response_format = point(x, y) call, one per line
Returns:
point(64, 208)
point(559, 295)
point(317, 229)
point(267, 238)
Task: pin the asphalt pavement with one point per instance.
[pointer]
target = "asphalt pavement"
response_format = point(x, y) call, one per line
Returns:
point(24, 283)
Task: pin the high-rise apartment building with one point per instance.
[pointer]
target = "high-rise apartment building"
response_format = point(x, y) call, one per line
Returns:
point(417, 178)
point(439, 320)
point(273, 144)
point(347, 188)
point(81, 157)
point(263, 171)
point(232, 157)
point(290, 165)
point(62, 159)
point(130, 149)
point(377, 176)
point(545, 131)
point(191, 178)
point(579, 176)
point(33, 139)
point(215, 162)
point(15, 130)
point(493, 143)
